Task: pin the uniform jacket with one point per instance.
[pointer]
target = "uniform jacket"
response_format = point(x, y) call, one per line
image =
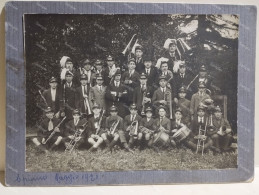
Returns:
point(92, 79)
point(80, 99)
point(127, 121)
point(147, 124)
point(196, 100)
point(184, 104)
point(140, 65)
point(138, 95)
point(43, 127)
point(159, 95)
point(98, 96)
point(110, 120)
point(135, 82)
point(152, 78)
point(166, 123)
point(69, 94)
point(92, 122)
point(70, 127)
point(56, 104)
point(195, 125)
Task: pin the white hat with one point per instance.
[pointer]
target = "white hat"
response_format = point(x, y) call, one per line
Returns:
point(63, 61)
point(160, 60)
point(168, 42)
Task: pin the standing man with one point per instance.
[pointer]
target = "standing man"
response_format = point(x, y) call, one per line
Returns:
point(53, 96)
point(87, 70)
point(117, 94)
point(99, 67)
point(139, 60)
point(83, 101)
point(97, 93)
point(110, 70)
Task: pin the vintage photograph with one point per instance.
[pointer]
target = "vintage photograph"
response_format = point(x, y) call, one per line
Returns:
point(121, 92)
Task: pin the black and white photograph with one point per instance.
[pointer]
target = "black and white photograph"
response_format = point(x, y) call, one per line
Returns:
point(123, 92)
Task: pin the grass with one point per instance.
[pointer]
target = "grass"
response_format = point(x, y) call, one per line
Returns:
point(82, 160)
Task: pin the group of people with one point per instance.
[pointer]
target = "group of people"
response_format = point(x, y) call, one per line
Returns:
point(144, 105)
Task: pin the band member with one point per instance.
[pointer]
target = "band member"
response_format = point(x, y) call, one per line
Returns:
point(139, 60)
point(162, 123)
point(162, 94)
point(222, 138)
point(67, 65)
point(198, 98)
point(68, 96)
point(99, 68)
point(151, 72)
point(165, 72)
point(47, 127)
point(97, 93)
point(177, 124)
point(96, 127)
point(199, 122)
point(131, 125)
point(110, 71)
point(182, 78)
point(146, 128)
point(116, 93)
point(183, 103)
point(142, 94)
point(71, 130)
point(83, 100)
point(131, 78)
point(113, 125)
point(87, 70)
point(53, 96)
point(172, 54)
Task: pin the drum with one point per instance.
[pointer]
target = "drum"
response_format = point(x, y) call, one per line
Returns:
point(161, 139)
point(181, 134)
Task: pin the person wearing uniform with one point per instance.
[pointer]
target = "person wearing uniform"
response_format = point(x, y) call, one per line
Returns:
point(83, 100)
point(53, 96)
point(96, 127)
point(142, 95)
point(139, 60)
point(68, 96)
point(183, 103)
point(131, 125)
point(146, 128)
point(164, 71)
point(130, 79)
point(222, 138)
point(113, 125)
point(110, 70)
point(97, 93)
point(198, 98)
point(117, 94)
point(48, 126)
point(99, 68)
point(87, 70)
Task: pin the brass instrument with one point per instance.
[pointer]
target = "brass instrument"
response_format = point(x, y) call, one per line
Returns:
point(146, 130)
point(127, 47)
point(114, 127)
point(170, 103)
point(53, 132)
point(45, 101)
point(76, 138)
point(143, 103)
point(201, 138)
point(87, 105)
point(99, 123)
point(133, 128)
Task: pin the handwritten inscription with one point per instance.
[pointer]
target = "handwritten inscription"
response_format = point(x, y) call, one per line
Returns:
point(30, 179)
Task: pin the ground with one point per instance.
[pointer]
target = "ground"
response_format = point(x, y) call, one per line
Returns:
point(82, 160)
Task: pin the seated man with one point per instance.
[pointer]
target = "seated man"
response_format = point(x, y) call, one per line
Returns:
point(184, 104)
point(199, 124)
point(113, 124)
point(130, 125)
point(222, 137)
point(75, 133)
point(48, 133)
point(146, 128)
point(96, 127)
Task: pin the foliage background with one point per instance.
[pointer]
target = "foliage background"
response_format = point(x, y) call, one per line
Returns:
point(213, 39)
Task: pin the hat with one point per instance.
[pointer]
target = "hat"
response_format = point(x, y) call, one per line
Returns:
point(53, 80)
point(162, 77)
point(113, 109)
point(83, 77)
point(109, 58)
point(86, 61)
point(143, 76)
point(118, 72)
point(182, 90)
point(48, 109)
point(138, 47)
point(218, 109)
point(99, 77)
point(201, 85)
point(69, 73)
point(133, 106)
point(98, 62)
point(95, 106)
point(200, 107)
point(203, 68)
point(160, 61)
point(169, 42)
point(148, 109)
point(132, 60)
point(76, 111)
point(182, 64)
point(63, 61)
point(161, 106)
point(178, 110)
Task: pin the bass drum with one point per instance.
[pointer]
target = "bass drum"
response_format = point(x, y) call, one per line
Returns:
point(161, 139)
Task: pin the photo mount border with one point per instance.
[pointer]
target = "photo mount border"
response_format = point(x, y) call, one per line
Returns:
point(16, 96)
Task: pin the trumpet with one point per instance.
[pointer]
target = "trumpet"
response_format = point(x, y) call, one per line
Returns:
point(133, 128)
point(53, 132)
point(114, 127)
point(76, 137)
